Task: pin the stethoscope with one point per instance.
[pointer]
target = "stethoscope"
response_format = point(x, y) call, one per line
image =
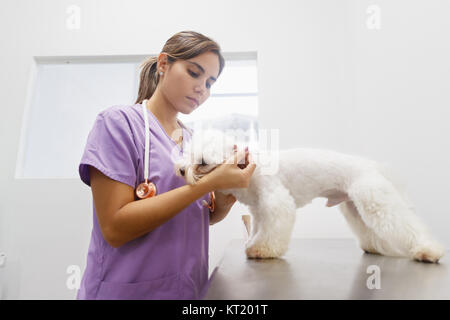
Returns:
point(148, 189)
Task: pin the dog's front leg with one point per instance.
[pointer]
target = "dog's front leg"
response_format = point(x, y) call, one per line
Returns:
point(271, 224)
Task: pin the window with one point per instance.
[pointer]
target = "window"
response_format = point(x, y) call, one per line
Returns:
point(233, 103)
point(67, 93)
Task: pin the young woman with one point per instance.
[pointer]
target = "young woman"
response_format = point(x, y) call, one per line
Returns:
point(156, 247)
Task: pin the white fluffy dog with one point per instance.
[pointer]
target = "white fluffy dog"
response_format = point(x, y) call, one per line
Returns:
point(376, 210)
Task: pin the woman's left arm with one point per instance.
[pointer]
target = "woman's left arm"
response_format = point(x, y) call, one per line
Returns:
point(223, 204)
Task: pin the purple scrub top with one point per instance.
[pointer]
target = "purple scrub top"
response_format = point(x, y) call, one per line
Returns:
point(171, 261)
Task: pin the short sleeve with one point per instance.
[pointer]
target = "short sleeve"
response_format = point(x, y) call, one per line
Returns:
point(110, 148)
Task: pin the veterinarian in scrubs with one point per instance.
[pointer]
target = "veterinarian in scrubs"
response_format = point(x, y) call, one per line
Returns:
point(157, 247)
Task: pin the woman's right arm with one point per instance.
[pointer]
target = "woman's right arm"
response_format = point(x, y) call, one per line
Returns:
point(123, 219)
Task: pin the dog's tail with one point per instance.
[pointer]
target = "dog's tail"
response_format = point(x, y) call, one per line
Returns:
point(385, 169)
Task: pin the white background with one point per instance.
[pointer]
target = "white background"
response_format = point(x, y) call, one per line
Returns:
point(324, 80)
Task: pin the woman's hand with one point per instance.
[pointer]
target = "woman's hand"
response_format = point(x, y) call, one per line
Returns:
point(224, 201)
point(223, 204)
point(229, 175)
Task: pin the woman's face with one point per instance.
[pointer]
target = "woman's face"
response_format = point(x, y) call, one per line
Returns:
point(191, 78)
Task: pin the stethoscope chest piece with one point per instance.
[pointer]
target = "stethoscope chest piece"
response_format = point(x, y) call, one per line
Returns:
point(145, 190)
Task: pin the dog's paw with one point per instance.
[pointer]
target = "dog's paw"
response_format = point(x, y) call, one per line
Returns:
point(369, 250)
point(428, 253)
point(262, 252)
point(258, 252)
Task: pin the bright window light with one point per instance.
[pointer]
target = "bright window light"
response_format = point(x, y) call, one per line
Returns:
point(67, 93)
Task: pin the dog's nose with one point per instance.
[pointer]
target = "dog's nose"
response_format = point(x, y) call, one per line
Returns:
point(182, 171)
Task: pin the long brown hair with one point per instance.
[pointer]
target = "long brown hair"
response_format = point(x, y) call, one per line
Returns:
point(183, 45)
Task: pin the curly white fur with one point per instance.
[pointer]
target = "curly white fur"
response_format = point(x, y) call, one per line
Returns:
point(376, 210)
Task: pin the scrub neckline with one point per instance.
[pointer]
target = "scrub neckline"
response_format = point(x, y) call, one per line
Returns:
point(181, 148)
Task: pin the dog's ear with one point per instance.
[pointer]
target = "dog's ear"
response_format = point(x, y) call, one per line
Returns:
point(177, 166)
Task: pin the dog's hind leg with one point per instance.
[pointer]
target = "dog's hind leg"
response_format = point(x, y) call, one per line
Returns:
point(368, 240)
point(271, 224)
point(384, 211)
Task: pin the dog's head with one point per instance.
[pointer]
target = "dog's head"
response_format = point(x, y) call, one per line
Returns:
point(206, 151)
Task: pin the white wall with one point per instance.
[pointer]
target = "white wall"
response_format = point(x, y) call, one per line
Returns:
point(324, 80)
point(402, 99)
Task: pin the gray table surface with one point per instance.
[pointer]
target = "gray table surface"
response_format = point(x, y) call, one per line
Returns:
point(325, 269)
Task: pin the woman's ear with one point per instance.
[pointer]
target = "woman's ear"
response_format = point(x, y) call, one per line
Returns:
point(162, 62)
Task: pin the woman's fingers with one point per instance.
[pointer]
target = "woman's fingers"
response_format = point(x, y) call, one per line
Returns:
point(243, 160)
point(236, 158)
point(251, 166)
